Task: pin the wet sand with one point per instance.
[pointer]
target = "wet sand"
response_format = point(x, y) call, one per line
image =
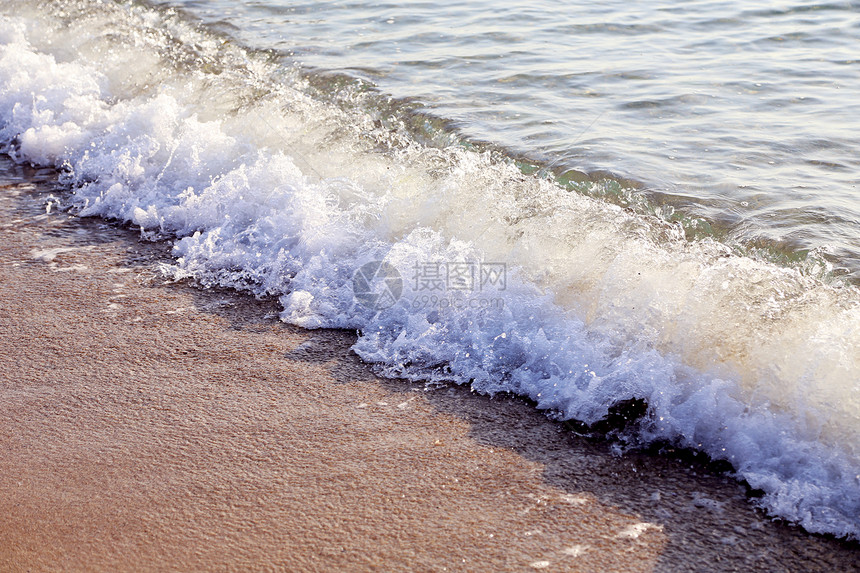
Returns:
point(148, 425)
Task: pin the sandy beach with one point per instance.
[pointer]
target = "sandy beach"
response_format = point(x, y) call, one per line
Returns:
point(148, 425)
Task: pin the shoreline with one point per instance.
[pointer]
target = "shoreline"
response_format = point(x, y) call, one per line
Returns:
point(149, 425)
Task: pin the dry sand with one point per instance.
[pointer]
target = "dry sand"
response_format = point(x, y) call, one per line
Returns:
point(146, 425)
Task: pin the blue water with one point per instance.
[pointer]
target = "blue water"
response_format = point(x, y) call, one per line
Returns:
point(744, 117)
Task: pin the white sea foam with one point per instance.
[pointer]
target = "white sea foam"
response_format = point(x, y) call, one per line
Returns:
point(265, 189)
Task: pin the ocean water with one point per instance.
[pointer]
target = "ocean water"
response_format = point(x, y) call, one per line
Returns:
point(583, 205)
point(740, 121)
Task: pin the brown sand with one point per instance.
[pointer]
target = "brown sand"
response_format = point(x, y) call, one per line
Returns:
point(154, 426)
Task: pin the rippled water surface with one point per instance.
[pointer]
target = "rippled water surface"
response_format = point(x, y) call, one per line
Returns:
point(744, 114)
